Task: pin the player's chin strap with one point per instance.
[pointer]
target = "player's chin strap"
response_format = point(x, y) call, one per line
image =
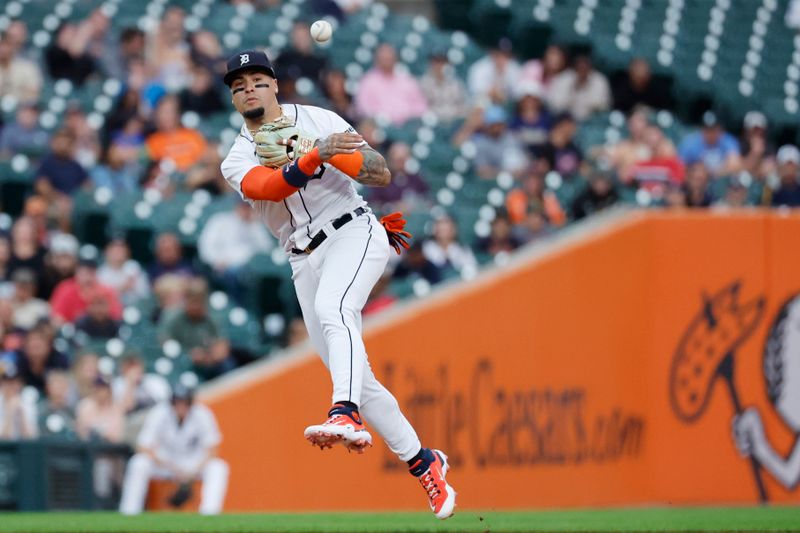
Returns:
point(398, 237)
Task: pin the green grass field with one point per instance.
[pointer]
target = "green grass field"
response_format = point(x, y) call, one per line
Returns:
point(658, 519)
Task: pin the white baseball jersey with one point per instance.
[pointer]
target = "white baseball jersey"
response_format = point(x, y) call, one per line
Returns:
point(184, 444)
point(330, 194)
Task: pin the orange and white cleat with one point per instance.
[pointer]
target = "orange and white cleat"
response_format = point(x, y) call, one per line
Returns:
point(344, 425)
point(441, 496)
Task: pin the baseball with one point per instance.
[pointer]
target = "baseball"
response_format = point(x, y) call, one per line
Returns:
point(321, 31)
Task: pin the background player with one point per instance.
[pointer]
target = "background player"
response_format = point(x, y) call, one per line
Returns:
point(178, 441)
point(295, 165)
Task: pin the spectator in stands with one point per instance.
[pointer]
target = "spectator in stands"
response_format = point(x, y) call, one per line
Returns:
point(205, 50)
point(24, 135)
point(675, 197)
point(350, 7)
point(68, 56)
point(169, 291)
point(295, 332)
point(36, 210)
point(384, 85)
point(87, 142)
point(500, 239)
point(56, 414)
point(96, 322)
point(560, 151)
point(60, 175)
point(407, 190)
point(373, 134)
point(19, 77)
point(736, 193)
point(443, 89)
point(38, 356)
point(201, 96)
point(5, 257)
point(135, 389)
point(102, 44)
point(758, 152)
point(531, 122)
point(71, 297)
point(179, 440)
point(125, 120)
point(17, 35)
point(197, 333)
point(533, 196)
point(661, 169)
point(131, 47)
point(228, 241)
point(629, 151)
point(494, 77)
point(601, 193)
point(84, 373)
point(26, 250)
point(300, 59)
point(443, 248)
point(637, 88)
point(17, 413)
point(28, 309)
point(788, 192)
point(380, 297)
point(184, 146)
point(122, 273)
point(580, 91)
point(340, 101)
point(98, 416)
point(60, 263)
point(717, 149)
point(543, 71)
point(118, 171)
point(414, 264)
point(696, 185)
point(534, 226)
point(496, 148)
point(167, 52)
point(206, 174)
point(169, 259)
point(11, 337)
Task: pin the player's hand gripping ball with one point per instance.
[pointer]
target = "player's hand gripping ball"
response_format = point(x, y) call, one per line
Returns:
point(321, 31)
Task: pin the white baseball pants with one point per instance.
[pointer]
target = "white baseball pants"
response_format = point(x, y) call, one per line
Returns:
point(332, 284)
point(141, 468)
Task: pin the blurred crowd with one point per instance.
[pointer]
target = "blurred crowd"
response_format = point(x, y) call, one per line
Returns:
point(516, 118)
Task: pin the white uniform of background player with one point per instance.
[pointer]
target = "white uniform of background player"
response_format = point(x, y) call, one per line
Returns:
point(181, 450)
point(333, 281)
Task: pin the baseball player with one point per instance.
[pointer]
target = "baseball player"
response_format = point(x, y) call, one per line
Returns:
point(178, 441)
point(295, 164)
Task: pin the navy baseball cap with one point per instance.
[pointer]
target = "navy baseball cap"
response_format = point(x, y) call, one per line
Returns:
point(247, 59)
point(182, 392)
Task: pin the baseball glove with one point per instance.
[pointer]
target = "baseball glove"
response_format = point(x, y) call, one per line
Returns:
point(181, 495)
point(398, 237)
point(268, 138)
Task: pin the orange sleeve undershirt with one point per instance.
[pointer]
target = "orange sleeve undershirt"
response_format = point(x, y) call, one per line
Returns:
point(350, 164)
point(263, 183)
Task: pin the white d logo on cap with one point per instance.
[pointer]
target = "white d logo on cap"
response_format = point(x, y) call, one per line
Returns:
point(244, 58)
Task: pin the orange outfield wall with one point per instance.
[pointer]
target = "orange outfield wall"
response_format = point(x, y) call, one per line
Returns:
point(586, 375)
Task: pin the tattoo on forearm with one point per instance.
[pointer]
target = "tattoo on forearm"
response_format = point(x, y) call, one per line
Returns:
point(374, 171)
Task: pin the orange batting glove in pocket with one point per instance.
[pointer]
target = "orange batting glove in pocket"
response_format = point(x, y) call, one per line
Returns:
point(398, 237)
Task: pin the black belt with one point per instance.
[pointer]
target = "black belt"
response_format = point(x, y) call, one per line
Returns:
point(320, 237)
